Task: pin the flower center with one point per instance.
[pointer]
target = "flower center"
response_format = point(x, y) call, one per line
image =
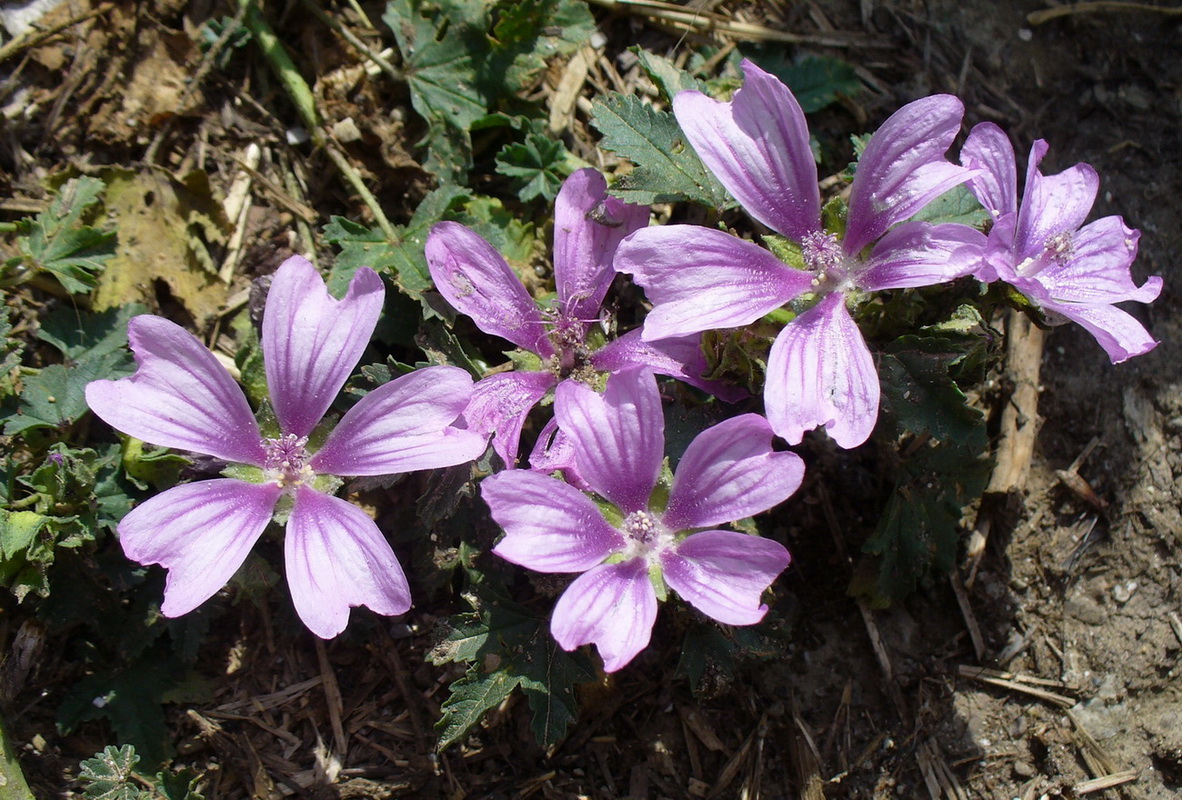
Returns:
point(572, 358)
point(824, 257)
point(647, 536)
point(287, 459)
point(1057, 250)
point(1060, 247)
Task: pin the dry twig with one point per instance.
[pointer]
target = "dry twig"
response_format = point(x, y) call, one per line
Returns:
point(1046, 15)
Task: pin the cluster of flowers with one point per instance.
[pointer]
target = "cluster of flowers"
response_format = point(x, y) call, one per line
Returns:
point(598, 499)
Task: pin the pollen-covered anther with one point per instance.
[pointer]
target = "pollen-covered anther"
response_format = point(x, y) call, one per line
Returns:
point(287, 459)
point(822, 252)
point(824, 257)
point(1061, 246)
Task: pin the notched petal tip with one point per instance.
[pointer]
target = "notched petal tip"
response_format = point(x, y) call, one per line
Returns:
point(820, 373)
point(312, 341)
point(612, 606)
point(336, 558)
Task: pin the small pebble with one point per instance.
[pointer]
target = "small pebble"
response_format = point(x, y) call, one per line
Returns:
point(1123, 591)
point(1025, 34)
point(1024, 769)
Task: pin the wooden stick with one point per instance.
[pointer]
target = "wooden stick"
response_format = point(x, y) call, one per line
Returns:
point(1039, 17)
point(983, 675)
point(32, 39)
point(1106, 782)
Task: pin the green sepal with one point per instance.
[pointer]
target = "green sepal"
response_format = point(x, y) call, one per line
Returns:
point(658, 501)
point(657, 579)
point(780, 317)
point(525, 361)
point(245, 472)
point(327, 484)
point(320, 433)
point(785, 249)
point(613, 515)
point(283, 508)
point(835, 216)
point(268, 422)
point(158, 469)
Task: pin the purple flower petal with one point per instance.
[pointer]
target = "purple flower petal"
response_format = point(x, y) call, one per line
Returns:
point(555, 452)
point(1118, 332)
point(200, 532)
point(618, 436)
point(588, 227)
point(700, 279)
point(549, 525)
point(336, 558)
point(1052, 204)
point(723, 574)
point(758, 146)
point(678, 357)
point(921, 254)
point(402, 426)
point(476, 280)
point(500, 403)
point(996, 186)
point(820, 372)
point(612, 606)
point(179, 396)
point(312, 341)
point(903, 168)
point(1097, 268)
point(729, 472)
point(998, 262)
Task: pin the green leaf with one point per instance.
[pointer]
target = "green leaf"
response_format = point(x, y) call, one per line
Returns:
point(919, 530)
point(957, 204)
point(919, 396)
point(55, 397)
point(668, 77)
point(157, 468)
point(472, 636)
point(667, 168)
point(80, 336)
point(181, 785)
point(551, 694)
point(57, 242)
point(463, 59)
point(108, 776)
point(815, 81)
point(539, 164)
point(469, 699)
point(131, 699)
point(402, 261)
point(11, 350)
point(17, 530)
point(507, 646)
point(710, 655)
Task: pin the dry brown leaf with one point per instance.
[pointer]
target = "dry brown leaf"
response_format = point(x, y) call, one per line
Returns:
point(165, 226)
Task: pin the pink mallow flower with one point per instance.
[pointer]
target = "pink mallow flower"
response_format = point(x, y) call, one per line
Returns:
point(476, 280)
point(181, 397)
point(820, 371)
point(648, 541)
point(1070, 272)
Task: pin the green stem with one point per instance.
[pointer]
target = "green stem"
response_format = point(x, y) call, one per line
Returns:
point(12, 780)
point(354, 178)
point(8, 227)
point(297, 88)
point(301, 95)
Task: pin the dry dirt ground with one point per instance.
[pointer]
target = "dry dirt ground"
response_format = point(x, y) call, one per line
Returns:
point(1077, 597)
